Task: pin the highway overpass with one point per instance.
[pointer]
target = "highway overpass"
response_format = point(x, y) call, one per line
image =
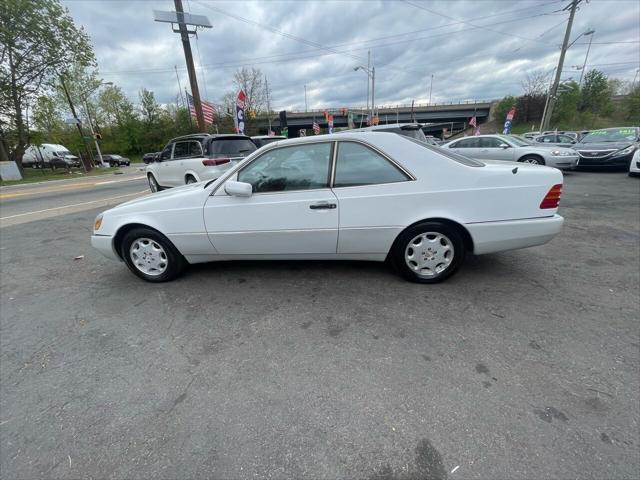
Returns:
point(452, 116)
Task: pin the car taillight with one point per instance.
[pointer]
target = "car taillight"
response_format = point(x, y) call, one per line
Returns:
point(214, 162)
point(552, 198)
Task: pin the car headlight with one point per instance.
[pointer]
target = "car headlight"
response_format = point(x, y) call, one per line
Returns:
point(625, 151)
point(98, 223)
point(561, 153)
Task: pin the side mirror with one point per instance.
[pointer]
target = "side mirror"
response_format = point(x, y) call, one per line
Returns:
point(504, 145)
point(238, 189)
point(573, 141)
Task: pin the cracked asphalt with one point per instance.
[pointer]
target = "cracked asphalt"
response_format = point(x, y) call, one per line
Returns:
point(524, 365)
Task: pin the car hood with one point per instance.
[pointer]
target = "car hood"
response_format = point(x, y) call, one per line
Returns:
point(603, 145)
point(166, 198)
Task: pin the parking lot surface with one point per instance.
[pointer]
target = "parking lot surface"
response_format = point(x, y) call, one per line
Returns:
point(523, 365)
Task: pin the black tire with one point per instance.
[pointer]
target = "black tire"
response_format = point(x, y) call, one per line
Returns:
point(451, 241)
point(154, 186)
point(189, 179)
point(533, 159)
point(174, 262)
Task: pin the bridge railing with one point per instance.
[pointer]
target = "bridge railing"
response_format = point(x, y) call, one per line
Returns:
point(393, 107)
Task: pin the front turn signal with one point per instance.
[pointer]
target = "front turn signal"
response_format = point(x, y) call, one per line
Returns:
point(98, 223)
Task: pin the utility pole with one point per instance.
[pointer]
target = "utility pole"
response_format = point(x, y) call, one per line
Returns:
point(93, 133)
point(266, 83)
point(373, 91)
point(184, 35)
point(368, 81)
point(77, 122)
point(556, 82)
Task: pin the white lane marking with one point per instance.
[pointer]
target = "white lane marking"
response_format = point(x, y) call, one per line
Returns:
point(72, 206)
point(119, 181)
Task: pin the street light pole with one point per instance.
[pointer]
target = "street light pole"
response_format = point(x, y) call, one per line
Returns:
point(430, 89)
point(373, 91)
point(563, 51)
point(368, 79)
point(584, 65)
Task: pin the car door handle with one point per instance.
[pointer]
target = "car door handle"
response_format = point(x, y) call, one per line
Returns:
point(322, 206)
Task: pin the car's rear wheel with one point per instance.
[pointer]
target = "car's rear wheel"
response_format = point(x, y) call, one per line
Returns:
point(532, 159)
point(154, 186)
point(428, 252)
point(190, 179)
point(151, 256)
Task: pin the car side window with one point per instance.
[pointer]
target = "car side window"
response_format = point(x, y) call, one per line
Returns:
point(549, 139)
point(358, 164)
point(181, 150)
point(166, 153)
point(490, 142)
point(195, 149)
point(466, 143)
point(298, 167)
point(565, 138)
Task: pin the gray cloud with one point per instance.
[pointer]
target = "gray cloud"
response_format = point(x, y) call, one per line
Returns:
point(467, 62)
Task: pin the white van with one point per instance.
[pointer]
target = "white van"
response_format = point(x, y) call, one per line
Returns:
point(49, 155)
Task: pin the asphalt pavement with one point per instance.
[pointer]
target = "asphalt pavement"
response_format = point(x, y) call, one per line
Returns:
point(34, 201)
point(524, 365)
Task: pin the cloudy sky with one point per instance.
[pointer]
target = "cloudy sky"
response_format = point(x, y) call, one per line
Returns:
point(478, 49)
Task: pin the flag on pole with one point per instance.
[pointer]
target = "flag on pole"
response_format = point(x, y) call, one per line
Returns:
point(208, 109)
point(473, 122)
point(316, 128)
point(239, 117)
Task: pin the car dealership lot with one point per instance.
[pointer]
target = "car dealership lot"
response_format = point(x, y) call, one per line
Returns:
point(524, 366)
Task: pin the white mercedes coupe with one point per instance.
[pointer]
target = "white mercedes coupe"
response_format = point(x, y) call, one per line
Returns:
point(353, 196)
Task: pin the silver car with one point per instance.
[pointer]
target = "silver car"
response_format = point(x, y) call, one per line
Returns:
point(557, 139)
point(513, 149)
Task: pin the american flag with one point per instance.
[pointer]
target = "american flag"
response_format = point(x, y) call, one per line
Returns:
point(208, 109)
point(316, 128)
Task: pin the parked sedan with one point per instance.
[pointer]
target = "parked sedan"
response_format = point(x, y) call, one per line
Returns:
point(116, 160)
point(557, 139)
point(513, 149)
point(610, 147)
point(357, 196)
point(198, 157)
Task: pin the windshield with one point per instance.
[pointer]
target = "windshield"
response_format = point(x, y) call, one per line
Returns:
point(629, 134)
point(232, 146)
point(517, 140)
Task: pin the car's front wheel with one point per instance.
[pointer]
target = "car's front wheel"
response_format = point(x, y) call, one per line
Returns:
point(190, 179)
point(532, 159)
point(151, 256)
point(428, 252)
point(154, 186)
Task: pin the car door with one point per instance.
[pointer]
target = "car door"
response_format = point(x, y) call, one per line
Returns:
point(492, 148)
point(175, 168)
point(466, 146)
point(292, 210)
point(369, 188)
point(161, 167)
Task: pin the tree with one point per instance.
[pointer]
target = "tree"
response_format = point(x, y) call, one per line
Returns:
point(32, 52)
point(149, 107)
point(535, 83)
point(251, 81)
point(566, 108)
point(595, 96)
point(633, 105)
point(503, 107)
point(47, 119)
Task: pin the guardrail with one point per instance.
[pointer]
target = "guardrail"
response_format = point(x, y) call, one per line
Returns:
point(393, 107)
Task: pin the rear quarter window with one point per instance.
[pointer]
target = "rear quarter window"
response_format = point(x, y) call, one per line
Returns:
point(232, 146)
